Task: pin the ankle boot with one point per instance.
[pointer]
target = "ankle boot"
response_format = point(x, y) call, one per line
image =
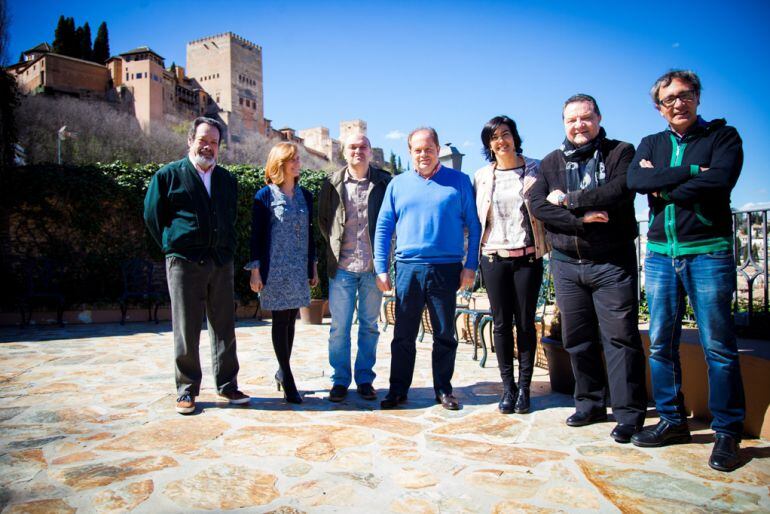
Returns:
point(507, 401)
point(522, 401)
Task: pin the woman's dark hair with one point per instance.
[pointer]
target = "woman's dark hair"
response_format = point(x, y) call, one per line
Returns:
point(489, 129)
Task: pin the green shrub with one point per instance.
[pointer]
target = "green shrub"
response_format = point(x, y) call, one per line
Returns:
point(88, 219)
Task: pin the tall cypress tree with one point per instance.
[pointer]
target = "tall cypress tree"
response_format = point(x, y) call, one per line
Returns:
point(59, 35)
point(84, 42)
point(70, 44)
point(101, 50)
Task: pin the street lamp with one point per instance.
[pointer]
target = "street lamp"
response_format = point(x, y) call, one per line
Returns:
point(61, 135)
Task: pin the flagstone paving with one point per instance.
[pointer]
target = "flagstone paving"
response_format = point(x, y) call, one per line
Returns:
point(87, 424)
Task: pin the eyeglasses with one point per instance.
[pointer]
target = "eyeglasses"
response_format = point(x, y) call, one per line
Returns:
point(685, 96)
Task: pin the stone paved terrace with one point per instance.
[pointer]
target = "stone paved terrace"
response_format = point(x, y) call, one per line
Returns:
point(87, 424)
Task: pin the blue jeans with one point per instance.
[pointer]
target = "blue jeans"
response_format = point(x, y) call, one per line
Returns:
point(343, 289)
point(418, 286)
point(709, 281)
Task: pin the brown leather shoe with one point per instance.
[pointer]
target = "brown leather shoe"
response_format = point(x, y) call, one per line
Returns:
point(338, 393)
point(367, 392)
point(235, 397)
point(448, 401)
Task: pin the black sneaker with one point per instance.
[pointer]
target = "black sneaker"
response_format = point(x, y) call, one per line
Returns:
point(338, 393)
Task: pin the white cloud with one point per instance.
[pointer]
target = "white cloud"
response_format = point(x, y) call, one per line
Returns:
point(467, 143)
point(754, 206)
point(395, 134)
point(675, 45)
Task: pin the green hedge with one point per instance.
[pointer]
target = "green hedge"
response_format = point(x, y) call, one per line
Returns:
point(88, 219)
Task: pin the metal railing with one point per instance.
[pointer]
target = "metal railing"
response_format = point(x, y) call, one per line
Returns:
point(750, 301)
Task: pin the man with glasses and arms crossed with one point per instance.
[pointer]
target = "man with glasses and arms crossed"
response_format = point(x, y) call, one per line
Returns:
point(688, 172)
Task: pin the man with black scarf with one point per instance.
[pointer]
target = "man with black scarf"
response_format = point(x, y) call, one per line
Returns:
point(588, 211)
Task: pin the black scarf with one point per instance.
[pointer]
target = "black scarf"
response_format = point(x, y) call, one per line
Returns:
point(588, 158)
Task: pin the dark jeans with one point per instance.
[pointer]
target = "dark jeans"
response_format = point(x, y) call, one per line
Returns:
point(283, 342)
point(197, 290)
point(598, 304)
point(513, 285)
point(418, 286)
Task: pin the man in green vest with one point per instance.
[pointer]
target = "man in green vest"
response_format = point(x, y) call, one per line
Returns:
point(190, 210)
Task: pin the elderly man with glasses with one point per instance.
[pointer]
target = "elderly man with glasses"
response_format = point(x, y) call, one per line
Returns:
point(688, 172)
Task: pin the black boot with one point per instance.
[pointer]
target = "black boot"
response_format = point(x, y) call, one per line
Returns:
point(507, 400)
point(283, 332)
point(522, 401)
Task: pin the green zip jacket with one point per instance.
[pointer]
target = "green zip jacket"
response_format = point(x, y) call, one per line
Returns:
point(692, 179)
point(184, 220)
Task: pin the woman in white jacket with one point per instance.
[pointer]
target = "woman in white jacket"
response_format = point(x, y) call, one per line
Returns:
point(512, 247)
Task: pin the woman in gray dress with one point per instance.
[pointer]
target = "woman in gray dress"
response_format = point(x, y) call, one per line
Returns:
point(283, 262)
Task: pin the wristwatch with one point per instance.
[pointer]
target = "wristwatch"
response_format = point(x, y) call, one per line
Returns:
point(561, 198)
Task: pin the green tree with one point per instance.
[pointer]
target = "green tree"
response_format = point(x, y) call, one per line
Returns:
point(65, 38)
point(392, 161)
point(84, 42)
point(60, 35)
point(101, 50)
point(400, 168)
point(9, 100)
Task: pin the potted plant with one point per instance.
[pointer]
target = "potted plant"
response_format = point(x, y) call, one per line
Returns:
point(559, 366)
point(314, 313)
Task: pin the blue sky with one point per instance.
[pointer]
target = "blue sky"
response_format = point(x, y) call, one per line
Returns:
point(454, 65)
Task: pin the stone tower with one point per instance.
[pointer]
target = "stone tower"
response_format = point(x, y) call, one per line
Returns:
point(143, 71)
point(229, 69)
point(351, 127)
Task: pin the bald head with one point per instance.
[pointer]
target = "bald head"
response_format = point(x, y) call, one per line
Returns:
point(358, 152)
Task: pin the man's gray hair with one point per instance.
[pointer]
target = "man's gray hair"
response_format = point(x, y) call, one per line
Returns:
point(688, 76)
point(430, 130)
point(208, 121)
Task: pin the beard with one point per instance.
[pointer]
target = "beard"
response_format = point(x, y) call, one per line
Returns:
point(202, 161)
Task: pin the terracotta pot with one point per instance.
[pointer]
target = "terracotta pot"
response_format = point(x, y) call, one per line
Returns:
point(314, 313)
point(559, 367)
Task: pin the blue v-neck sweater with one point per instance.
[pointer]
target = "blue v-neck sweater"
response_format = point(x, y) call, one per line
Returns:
point(429, 218)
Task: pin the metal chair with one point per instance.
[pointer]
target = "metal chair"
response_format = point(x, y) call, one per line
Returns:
point(138, 286)
point(472, 317)
point(544, 298)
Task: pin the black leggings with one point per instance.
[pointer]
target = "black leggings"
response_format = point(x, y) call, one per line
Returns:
point(283, 340)
point(513, 285)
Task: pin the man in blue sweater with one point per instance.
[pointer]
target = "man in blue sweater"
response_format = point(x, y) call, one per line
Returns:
point(429, 210)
